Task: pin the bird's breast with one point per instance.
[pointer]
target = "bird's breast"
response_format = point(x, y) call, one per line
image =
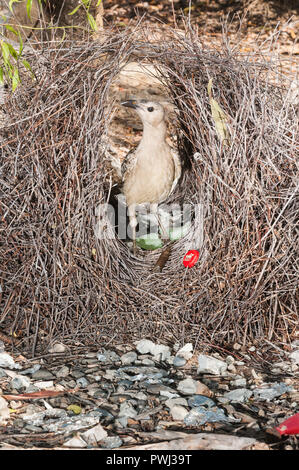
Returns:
point(149, 179)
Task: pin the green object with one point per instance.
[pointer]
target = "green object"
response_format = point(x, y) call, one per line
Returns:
point(149, 242)
point(76, 409)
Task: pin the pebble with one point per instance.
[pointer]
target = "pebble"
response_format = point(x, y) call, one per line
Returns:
point(43, 385)
point(201, 415)
point(4, 411)
point(294, 356)
point(31, 370)
point(159, 351)
point(94, 435)
point(129, 358)
point(190, 387)
point(210, 365)
point(176, 401)
point(7, 361)
point(57, 348)
point(142, 389)
point(178, 361)
point(271, 392)
point(127, 410)
point(82, 382)
point(185, 351)
point(63, 372)
point(76, 441)
point(240, 395)
point(178, 412)
point(200, 400)
point(239, 382)
point(111, 442)
point(42, 374)
point(20, 382)
point(108, 356)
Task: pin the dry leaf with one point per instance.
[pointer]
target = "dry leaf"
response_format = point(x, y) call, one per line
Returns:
point(219, 117)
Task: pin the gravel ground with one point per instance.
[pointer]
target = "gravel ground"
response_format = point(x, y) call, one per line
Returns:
point(146, 396)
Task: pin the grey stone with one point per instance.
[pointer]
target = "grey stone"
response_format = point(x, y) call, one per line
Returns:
point(82, 382)
point(63, 372)
point(19, 382)
point(178, 412)
point(77, 373)
point(186, 351)
point(31, 370)
point(111, 442)
point(210, 365)
point(229, 360)
point(159, 351)
point(43, 374)
point(294, 356)
point(200, 400)
point(121, 422)
point(171, 402)
point(128, 358)
point(95, 434)
point(70, 423)
point(273, 391)
point(144, 346)
point(200, 415)
point(102, 413)
point(156, 389)
point(57, 348)
point(127, 410)
point(179, 361)
point(4, 411)
point(7, 361)
point(147, 362)
point(76, 442)
point(108, 356)
point(239, 382)
point(187, 386)
point(240, 395)
point(33, 428)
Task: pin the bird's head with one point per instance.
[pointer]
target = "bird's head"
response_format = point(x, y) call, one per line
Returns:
point(150, 112)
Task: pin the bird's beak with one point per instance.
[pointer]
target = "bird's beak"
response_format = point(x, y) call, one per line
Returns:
point(130, 104)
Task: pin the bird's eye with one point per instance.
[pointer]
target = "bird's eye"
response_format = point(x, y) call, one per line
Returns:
point(150, 109)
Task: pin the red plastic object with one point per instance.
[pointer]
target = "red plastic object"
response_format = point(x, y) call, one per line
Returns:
point(190, 258)
point(289, 426)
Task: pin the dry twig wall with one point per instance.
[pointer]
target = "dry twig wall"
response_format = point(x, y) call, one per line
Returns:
point(60, 282)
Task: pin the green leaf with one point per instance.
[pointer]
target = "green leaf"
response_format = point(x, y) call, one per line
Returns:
point(11, 2)
point(15, 79)
point(5, 52)
point(21, 44)
point(28, 8)
point(12, 51)
point(10, 28)
point(75, 9)
point(149, 242)
point(76, 409)
point(92, 22)
point(1, 75)
point(26, 65)
point(99, 3)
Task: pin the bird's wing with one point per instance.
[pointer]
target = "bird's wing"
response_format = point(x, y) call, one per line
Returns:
point(177, 168)
point(128, 163)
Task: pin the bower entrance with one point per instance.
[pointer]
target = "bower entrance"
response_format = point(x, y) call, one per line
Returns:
point(59, 281)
